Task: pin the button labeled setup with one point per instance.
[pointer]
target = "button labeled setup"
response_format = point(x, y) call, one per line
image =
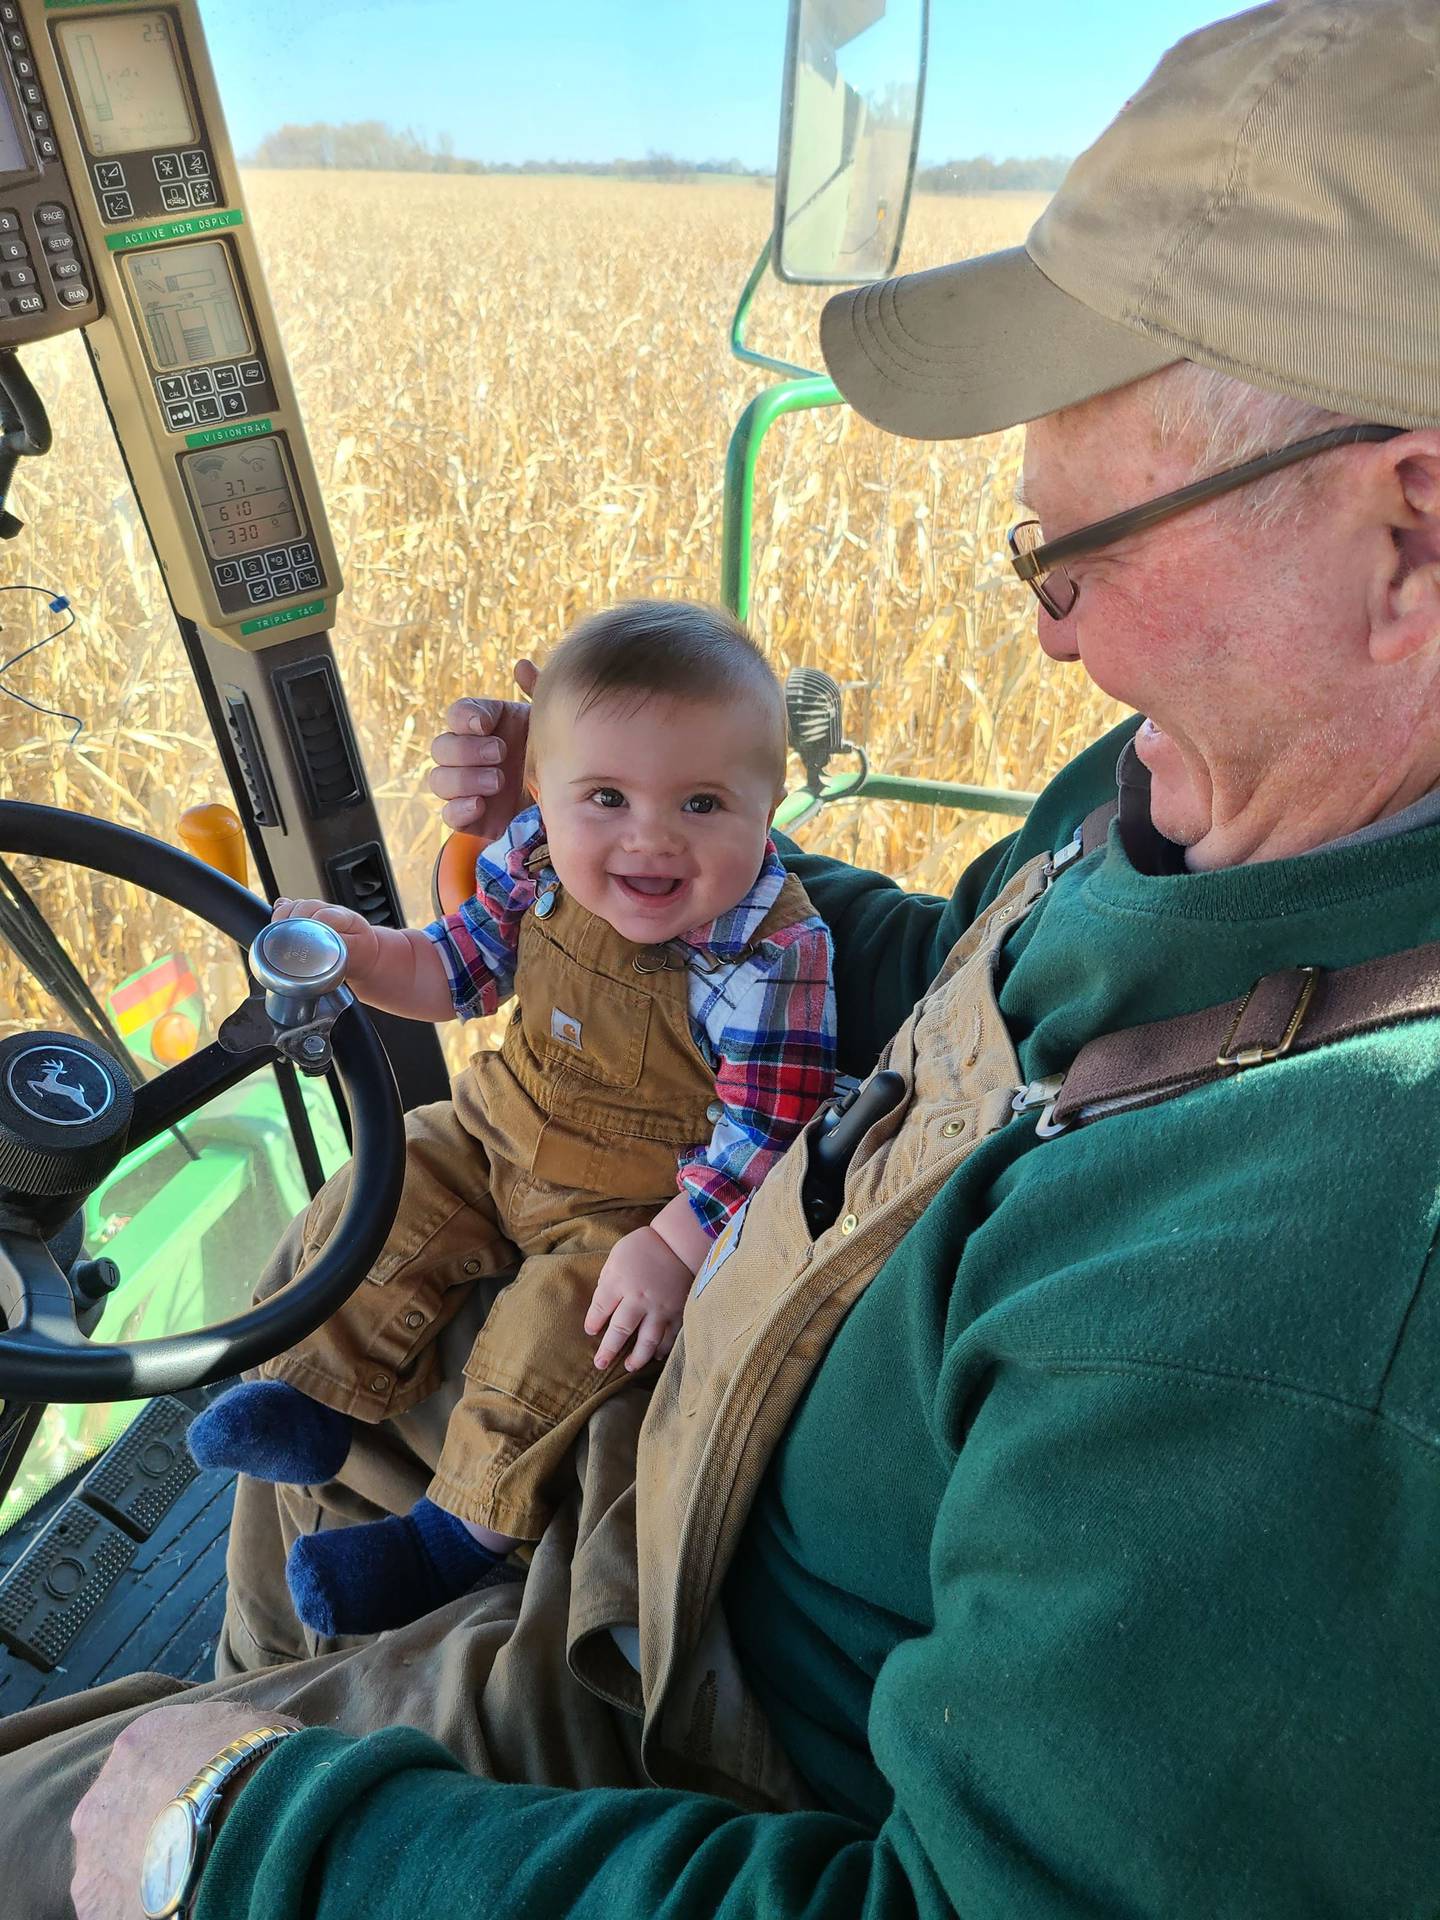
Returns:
point(118, 206)
point(180, 414)
point(175, 197)
point(172, 386)
point(202, 193)
point(59, 243)
point(109, 173)
point(167, 166)
point(207, 407)
point(196, 163)
point(260, 590)
point(234, 403)
point(227, 573)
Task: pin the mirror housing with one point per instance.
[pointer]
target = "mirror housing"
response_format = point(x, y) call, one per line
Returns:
point(849, 133)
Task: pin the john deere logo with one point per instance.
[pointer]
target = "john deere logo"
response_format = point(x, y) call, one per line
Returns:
point(59, 1085)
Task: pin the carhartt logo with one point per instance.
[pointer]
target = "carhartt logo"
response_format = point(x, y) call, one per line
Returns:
point(564, 1026)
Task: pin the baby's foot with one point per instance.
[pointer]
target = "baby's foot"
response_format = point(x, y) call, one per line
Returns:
point(272, 1431)
point(365, 1579)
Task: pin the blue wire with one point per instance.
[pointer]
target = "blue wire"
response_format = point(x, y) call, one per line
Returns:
point(57, 603)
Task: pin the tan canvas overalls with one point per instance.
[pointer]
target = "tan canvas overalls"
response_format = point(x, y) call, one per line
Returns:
point(552, 1149)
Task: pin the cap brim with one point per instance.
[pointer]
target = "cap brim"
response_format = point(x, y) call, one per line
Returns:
point(975, 347)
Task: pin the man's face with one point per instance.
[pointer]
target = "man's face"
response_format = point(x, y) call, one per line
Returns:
point(657, 814)
point(1240, 644)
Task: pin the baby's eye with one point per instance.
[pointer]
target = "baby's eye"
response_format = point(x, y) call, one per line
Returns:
point(701, 803)
point(608, 797)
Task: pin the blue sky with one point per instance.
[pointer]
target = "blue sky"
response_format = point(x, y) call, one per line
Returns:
point(597, 79)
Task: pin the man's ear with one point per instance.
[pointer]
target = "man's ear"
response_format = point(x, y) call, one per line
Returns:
point(1405, 616)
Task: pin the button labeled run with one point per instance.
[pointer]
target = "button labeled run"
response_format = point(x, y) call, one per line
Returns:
point(75, 295)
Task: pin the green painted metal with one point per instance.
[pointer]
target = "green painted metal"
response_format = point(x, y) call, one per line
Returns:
point(943, 793)
point(790, 396)
point(742, 315)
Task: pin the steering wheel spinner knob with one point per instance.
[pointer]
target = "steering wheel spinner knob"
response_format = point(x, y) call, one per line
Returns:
point(297, 962)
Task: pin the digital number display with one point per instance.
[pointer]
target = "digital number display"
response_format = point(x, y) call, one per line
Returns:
point(125, 81)
point(243, 497)
point(13, 155)
point(188, 308)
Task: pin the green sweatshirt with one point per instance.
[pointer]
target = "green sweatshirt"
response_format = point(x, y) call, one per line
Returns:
point(1096, 1574)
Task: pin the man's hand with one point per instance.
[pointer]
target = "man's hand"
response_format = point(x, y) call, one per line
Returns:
point(156, 1755)
point(479, 769)
point(642, 1290)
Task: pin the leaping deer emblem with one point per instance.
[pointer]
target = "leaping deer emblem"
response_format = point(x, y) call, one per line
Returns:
point(52, 1083)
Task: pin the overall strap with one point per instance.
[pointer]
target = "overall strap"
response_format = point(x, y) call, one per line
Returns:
point(1285, 1013)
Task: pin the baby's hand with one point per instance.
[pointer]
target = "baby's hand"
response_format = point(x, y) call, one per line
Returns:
point(361, 943)
point(642, 1290)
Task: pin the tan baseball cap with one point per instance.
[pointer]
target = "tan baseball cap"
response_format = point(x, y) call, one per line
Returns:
point(1268, 204)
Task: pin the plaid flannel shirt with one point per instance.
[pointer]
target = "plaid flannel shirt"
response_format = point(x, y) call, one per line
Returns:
point(765, 1020)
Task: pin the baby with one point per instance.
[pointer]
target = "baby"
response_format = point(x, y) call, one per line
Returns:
point(675, 1027)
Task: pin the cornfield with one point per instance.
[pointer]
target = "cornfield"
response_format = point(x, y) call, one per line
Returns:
point(518, 392)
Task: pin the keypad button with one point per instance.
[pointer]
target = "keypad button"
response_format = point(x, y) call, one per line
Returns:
point(109, 173)
point(75, 295)
point(67, 269)
point(59, 243)
point(16, 41)
point(227, 573)
point(226, 379)
point(10, 14)
point(172, 386)
point(196, 163)
point(16, 277)
point(284, 585)
point(307, 576)
point(119, 206)
point(199, 382)
point(39, 120)
point(9, 221)
point(45, 146)
point(253, 567)
point(202, 193)
point(180, 414)
point(51, 216)
point(167, 166)
point(259, 590)
point(31, 94)
point(252, 373)
point(27, 303)
point(12, 247)
point(277, 560)
point(207, 408)
point(302, 554)
point(234, 403)
point(175, 197)
point(24, 69)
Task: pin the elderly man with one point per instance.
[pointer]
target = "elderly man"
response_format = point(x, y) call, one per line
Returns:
point(1058, 1532)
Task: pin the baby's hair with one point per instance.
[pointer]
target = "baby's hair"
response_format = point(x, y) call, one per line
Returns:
point(674, 648)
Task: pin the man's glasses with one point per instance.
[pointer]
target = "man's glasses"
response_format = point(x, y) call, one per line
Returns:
point(1041, 565)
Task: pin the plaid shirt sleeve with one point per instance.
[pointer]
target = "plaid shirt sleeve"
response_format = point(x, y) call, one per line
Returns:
point(477, 944)
point(777, 1066)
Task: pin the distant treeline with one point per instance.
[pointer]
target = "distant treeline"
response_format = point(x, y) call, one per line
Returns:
point(371, 146)
point(1043, 173)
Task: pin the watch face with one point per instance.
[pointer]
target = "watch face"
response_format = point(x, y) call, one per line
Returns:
point(165, 1867)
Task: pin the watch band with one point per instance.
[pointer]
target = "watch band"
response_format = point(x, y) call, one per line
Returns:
point(164, 1893)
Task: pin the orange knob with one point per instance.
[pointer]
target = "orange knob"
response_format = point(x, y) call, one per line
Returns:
point(213, 834)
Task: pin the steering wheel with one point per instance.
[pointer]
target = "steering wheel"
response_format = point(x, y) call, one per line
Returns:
point(68, 1114)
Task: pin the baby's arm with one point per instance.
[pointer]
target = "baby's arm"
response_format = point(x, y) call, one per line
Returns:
point(392, 968)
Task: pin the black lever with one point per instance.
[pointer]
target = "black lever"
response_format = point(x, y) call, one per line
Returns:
point(816, 725)
point(24, 429)
point(833, 1144)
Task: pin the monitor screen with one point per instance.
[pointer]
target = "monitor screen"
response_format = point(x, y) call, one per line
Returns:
point(14, 149)
point(243, 497)
point(125, 80)
point(187, 306)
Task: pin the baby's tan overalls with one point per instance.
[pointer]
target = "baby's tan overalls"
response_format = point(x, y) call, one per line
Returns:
point(550, 1151)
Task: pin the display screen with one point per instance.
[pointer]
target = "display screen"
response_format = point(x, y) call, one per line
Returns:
point(125, 80)
point(14, 157)
point(243, 497)
point(187, 305)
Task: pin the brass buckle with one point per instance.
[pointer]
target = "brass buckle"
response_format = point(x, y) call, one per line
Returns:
point(1258, 1056)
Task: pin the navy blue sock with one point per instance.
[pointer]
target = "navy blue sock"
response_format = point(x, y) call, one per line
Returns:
point(384, 1574)
point(272, 1431)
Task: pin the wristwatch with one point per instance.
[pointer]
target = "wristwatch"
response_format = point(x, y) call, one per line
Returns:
point(179, 1839)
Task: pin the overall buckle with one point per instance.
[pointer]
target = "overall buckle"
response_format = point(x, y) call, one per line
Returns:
point(1256, 1056)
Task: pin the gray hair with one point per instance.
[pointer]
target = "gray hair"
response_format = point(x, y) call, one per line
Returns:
point(1225, 422)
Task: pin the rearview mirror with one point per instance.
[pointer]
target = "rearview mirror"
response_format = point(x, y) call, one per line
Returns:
point(849, 129)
